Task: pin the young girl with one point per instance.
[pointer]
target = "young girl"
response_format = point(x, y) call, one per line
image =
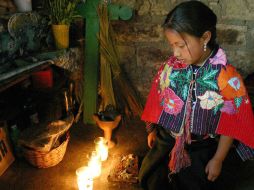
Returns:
point(198, 113)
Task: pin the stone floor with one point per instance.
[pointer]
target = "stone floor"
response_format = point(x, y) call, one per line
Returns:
point(131, 138)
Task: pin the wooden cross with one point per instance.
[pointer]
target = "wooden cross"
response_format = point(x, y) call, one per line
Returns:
point(88, 11)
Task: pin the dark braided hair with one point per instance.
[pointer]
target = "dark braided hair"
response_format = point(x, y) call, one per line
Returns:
point(193, 18)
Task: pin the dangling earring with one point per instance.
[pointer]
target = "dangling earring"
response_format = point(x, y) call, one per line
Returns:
point(205, 46)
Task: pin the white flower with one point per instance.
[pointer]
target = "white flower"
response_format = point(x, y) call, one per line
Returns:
point(210, 100)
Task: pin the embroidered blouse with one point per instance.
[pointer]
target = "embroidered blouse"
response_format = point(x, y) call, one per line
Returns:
point(218, 101)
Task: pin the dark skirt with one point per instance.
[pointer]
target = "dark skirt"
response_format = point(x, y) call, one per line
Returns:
point(154, 172)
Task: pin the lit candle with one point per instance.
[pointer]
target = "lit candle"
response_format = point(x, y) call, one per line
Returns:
point(84, 178)
point(94, 164)
point(101, 148)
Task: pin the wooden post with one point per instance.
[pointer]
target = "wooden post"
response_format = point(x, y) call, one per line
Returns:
point(88, 11)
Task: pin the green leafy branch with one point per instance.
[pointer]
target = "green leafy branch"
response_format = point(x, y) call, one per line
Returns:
point(181, 79)
point(62, 11)
point(207, 79)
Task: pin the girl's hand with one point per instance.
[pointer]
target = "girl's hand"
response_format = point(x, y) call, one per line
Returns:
point(213, 169)
point(151, 138)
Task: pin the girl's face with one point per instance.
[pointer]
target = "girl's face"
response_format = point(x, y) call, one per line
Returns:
point(187, 48)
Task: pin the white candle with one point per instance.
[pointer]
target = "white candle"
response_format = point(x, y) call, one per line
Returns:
point(84, 178)
point(94, 164)
point(101, 148)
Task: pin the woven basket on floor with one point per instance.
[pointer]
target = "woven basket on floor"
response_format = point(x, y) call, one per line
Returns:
point(47, 159)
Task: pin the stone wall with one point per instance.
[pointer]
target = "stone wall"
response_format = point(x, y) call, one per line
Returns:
point(143, 47)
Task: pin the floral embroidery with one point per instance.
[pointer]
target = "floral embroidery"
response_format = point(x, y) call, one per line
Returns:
point(173, 77)
point(176, 63)
point(238, 101)
point(228, 107)
point(210, 100)
point(171, 103)
point(219, 58)
point(182, 79)
point(164, 77)
point(207, 79)
point(231, 84)
point(234, 83)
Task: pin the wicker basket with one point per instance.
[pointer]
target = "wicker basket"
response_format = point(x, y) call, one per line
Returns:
point(47, 159)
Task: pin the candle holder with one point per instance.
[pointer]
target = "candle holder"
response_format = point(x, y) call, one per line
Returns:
point(94, 164)
point(84, 178)
point(108, 127)
point(101, 148)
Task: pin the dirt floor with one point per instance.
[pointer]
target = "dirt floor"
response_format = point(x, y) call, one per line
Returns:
point(130, 139)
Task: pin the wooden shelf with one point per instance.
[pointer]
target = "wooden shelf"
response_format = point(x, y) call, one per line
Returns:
point(17, 75)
